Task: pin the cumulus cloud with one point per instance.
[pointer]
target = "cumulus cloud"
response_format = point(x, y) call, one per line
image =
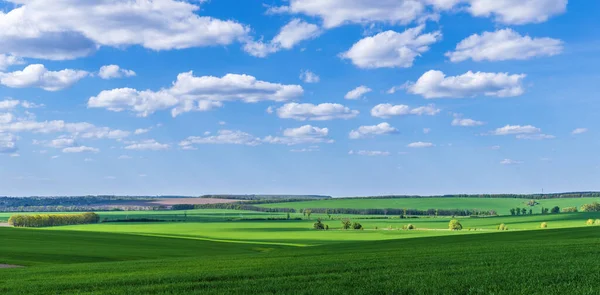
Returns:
point(320, 112)
point(191, 93)
point(223, 137)
point(386, 110)
point(114, 71)
point(539, 136)
point(150, 144)
point(465, 122)
point(369, 153)
point(9, 60)
point(504, 45)
point(306, 134)
point(391, 49)
point(71, 28)
point(309, 77)
point(37, 75)
point(420, 144)
point(79, 129)
point(358, 92)
point(373, 130)
point(291, 34)
point(579, 131)
point(517, 12)
point(80, 149)
point(516, 129)
point(435, 84)
point(141, 131)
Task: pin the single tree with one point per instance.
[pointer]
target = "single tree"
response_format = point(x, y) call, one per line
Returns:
point(555, 210)
point(319, 225)
point(544, 225)
point(524, 211)
point(346, 223)
point(454, 225)
point(512, 211)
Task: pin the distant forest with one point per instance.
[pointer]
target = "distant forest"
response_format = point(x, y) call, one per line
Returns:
point(268, 197)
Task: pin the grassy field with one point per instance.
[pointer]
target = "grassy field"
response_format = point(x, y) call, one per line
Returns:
point(559, 261)
point(221, 252)
point(501, 205)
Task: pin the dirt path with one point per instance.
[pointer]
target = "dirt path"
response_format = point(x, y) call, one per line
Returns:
point(9, 266)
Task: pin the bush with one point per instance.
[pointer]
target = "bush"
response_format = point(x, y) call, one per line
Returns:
point(501, 226)
point(589, 222)
point(555, 210)
point(597, 222)
point(569, 209)
point(410, 226)
point(593, 207)
point(319, 225)
point(454, 225)
point(544, 225)
point(326, 227)
point(357, 225)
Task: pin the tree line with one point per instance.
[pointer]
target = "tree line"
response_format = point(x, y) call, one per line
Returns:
point(44, 220)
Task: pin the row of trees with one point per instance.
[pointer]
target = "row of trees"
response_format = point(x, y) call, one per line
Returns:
point(568, 195)
point(525, 211)
point(44, 220)
point(593, 207)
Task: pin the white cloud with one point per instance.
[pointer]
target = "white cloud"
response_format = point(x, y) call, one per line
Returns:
point(426, 130)
point(539, 136)
point(124, 157)
point(114, 71)
point(9, 104)
point(141, 131)
point(386, 110)
point(504, 45)
point(309, 77)
point(54, 157)
point(369, 131)
point(58, 143)
point(516, 129)
point(579, 131)
point(391, 49)
point(150, 144)
point(420, 144)
point(8, 143)
point(510, 162)
point(357, 92)
point(302, 135)
point(191, 93)
point(291, 34)
point(495, 147)
point(223, 137)
point(37, 75)
point(80, 149)
point(9, 60)
point(306, 150)
point(435, 84)
point(369, 153)
point(71, 28)
point(339, 12)
point(88, 160)
point(320, 112)
point(465, 122)
point(517, 12)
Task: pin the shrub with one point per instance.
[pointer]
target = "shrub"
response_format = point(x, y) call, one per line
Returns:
point(589, 222)
point(501, 226)
point(593, 207)
point(410, 226)
point(357, 225)
point(569, 209)
point(544, 225)
point(555, 210)
point(319, 225)
point(597, 222)
point(326, 227)
point(454, 225)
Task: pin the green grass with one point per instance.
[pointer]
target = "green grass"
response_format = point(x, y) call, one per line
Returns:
point(501, 205)
point(559, 261)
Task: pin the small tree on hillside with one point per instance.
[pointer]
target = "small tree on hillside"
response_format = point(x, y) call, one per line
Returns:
point(512, 211)
point(544, 225)
point(524, 211)
point(555, 210)
point(319, 225)
point(454, 225)
point(589, 222)
point(346, 224)
point(308, 213)
point(410, 227)
point(518, 211)
point(530, 211)
point(501, 226)
point(357, 225)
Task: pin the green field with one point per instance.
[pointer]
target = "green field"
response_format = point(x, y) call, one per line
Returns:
point(222, 252)
point(501, 205)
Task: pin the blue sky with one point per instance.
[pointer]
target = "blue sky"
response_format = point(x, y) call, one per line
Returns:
point(330, 97)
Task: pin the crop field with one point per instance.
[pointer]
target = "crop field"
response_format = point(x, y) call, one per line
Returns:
point(501, 205)
point(219, 251)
